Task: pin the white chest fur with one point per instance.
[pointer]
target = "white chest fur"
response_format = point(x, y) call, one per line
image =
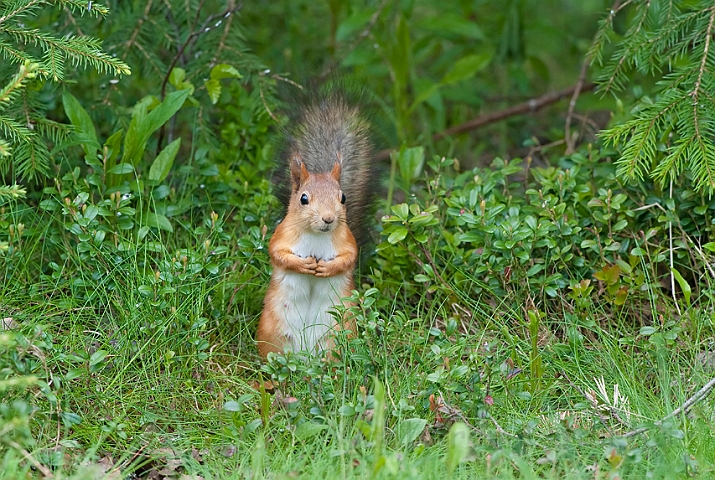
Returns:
point(318, 245)
point(306, 300)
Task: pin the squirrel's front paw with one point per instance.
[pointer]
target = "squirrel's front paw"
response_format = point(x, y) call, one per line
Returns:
point(325, 269)
point(308, 265)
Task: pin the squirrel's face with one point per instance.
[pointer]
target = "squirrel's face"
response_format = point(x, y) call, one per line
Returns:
point(320, 203)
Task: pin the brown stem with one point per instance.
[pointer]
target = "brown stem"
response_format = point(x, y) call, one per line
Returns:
point(529, 106)
point(205, 27)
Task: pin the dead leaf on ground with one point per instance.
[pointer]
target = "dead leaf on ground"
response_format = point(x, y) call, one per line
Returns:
point(444, 414)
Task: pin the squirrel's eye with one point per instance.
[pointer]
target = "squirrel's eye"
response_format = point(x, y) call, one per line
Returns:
point(304, 199)
point(342, 198)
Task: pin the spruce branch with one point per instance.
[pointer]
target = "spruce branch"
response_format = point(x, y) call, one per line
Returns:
point(24, 130)
point(672, 131)
point(26, 72)
point(19, 8)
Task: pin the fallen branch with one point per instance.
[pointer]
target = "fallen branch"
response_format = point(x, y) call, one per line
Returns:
point(571, 141)
point(529, 106)
point(684, 408)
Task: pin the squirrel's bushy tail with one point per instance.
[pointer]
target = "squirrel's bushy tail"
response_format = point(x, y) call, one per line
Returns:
point(331, 128)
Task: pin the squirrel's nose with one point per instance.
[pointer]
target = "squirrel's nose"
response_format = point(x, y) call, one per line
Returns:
point(329, 219)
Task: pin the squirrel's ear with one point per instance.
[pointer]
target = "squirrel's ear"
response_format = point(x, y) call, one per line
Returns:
point(336, 172)
point(298, 173)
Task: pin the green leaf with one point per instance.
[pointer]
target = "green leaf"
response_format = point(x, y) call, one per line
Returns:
point(646, 331)
point(457, 446)
point(610, 274)
point(377, 429)
point(397, 235)
point(113, 145)
point(346, 410)
point(451, 24)
point(177, 76)
point(144, 124)
point(159, 221)
point(121, 169)
point(408, 430)
point(684, 286)
point(213, 88)
point(224, 70)
point(410, 161)
point(467, 67)
point(97, 357)
point(162, 164)
point(309, 429)
point(82, 123)
point(425, 94)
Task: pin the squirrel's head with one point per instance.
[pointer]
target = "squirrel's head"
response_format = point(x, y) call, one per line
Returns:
point(317, 198)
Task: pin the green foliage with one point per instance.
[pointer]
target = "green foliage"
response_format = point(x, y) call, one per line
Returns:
point(515, 321)
point(670, 133)
point(42, 57)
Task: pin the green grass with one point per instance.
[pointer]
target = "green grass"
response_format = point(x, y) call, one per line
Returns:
point(171, 381)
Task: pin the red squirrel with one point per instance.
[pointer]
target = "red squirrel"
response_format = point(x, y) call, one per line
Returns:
point(313, 250)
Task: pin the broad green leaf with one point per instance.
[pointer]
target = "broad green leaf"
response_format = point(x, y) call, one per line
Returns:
point(467, 67)
point(397, 235)
point(97, 357)
point(424, 95)
point(162, 164)
point(400, 54)
point(457, 446)
point(213, 88)
point(449, 24)
point(224, 70)
point(113, 145)
point(178, 79)
point(354, 23)
point(684, 286)
point(410, 161)
point(121, 169)
point(647, 331)
point(144, 124)
point(408, 430)
point(377, 429)
point(159, 221)
point(309, 429)
point(177, 76)
point(82, 123)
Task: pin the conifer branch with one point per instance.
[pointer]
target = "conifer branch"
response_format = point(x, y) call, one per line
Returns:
point(19, 9)
point(679, 116)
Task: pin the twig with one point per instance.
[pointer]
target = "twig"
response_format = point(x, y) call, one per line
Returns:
point(130, 43)
point(529, 106)
point(498, 427)
point(670, 249)
point(705, 260)
point(45, 471)
point(205, 27)
point(570, 142)
point(222, 42)
point(363, 35)
point(684, 408)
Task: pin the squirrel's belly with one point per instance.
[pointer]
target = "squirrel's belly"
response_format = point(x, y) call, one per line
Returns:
point(304, 306)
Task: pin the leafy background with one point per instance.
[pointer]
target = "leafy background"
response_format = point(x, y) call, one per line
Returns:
point(537, 301)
